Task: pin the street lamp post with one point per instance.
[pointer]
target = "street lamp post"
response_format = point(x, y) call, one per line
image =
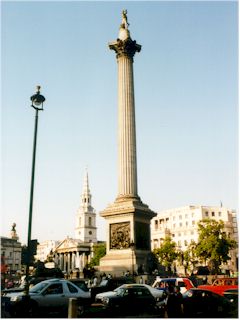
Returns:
point(37, 103)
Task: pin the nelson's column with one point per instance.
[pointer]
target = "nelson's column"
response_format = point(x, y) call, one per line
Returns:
point(128, 219)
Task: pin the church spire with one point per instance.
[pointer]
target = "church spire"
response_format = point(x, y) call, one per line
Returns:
point(86, 195)
point(85, 229)
point(86, 183)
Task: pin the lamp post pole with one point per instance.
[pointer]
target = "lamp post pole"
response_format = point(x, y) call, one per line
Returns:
point(37, 103)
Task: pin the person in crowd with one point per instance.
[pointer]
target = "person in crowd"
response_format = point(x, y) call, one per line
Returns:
point(174, 303)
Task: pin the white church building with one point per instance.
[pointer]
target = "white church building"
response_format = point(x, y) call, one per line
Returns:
point(75, 253)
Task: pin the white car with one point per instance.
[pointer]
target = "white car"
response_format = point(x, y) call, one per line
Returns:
point(49, 295)
point(158, 294)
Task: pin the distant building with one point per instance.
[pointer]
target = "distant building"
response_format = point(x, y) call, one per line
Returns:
point(11, 251)
point(182, 225)
point(44, 249)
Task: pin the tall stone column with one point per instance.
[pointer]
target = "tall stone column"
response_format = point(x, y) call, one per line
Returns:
point(128, 219)
point(125, 49)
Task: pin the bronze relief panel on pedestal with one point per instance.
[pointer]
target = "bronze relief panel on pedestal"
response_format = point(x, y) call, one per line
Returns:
point(120, 235)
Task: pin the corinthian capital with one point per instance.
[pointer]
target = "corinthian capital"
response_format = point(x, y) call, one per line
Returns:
point(126, 47)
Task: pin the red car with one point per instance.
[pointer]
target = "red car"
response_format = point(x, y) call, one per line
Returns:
point(221, 284)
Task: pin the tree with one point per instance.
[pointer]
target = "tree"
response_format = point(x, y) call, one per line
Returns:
point(189, 259)
point(99, 251)
point(213, 245)
point(166, 253)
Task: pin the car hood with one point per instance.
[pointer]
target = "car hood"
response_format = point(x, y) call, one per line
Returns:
point(106, 294)
point(19, 294)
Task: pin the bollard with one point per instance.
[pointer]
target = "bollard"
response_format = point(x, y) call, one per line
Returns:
point(72, 308)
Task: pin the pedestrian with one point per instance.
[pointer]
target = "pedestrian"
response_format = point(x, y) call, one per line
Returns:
point(174, 303)
point(141, 280)
point(179, 302)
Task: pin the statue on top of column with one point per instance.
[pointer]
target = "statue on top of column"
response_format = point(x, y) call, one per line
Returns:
point(125, 23)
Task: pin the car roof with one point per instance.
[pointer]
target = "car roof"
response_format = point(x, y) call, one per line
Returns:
point(54, 280)
point(132, 285)
point(203, 290)
point(170, 279)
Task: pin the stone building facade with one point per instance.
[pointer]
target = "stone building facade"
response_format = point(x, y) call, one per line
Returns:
point(182, 225)
point(44, 249)
point(11, 250)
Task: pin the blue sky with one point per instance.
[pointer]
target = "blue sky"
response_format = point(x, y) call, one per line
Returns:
point(186, 98)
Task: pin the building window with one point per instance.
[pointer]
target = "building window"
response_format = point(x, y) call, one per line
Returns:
point(180, 217)
point(185, 242)
point(186, 223)
point(213, 214)
point(173, 235)
point(89, 221)
point(180, 224)
point(193, 223)
point(90, 232)
point(79, 221)
point(206, 214)
point(179, 243)
point(156, 224)
point(179, 234)
point(219, 213)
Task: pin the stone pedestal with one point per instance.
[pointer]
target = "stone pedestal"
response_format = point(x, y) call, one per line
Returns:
point(128, 236)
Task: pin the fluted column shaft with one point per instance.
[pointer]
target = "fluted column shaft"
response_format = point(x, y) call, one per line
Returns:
point(127, 159)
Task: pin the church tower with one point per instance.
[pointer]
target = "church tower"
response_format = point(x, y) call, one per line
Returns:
point(85, 229)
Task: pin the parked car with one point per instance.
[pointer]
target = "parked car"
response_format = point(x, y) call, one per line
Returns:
point(158, 294)
point(163, 283)
point(109, 285)
point(130, 299)
point(200, 303)
point(48, 296)
point(222, 284)
point(39, 276)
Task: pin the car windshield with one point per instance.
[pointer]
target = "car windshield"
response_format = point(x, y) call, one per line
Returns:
point(81, 285)
point(38, 287)
point(120, 291)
